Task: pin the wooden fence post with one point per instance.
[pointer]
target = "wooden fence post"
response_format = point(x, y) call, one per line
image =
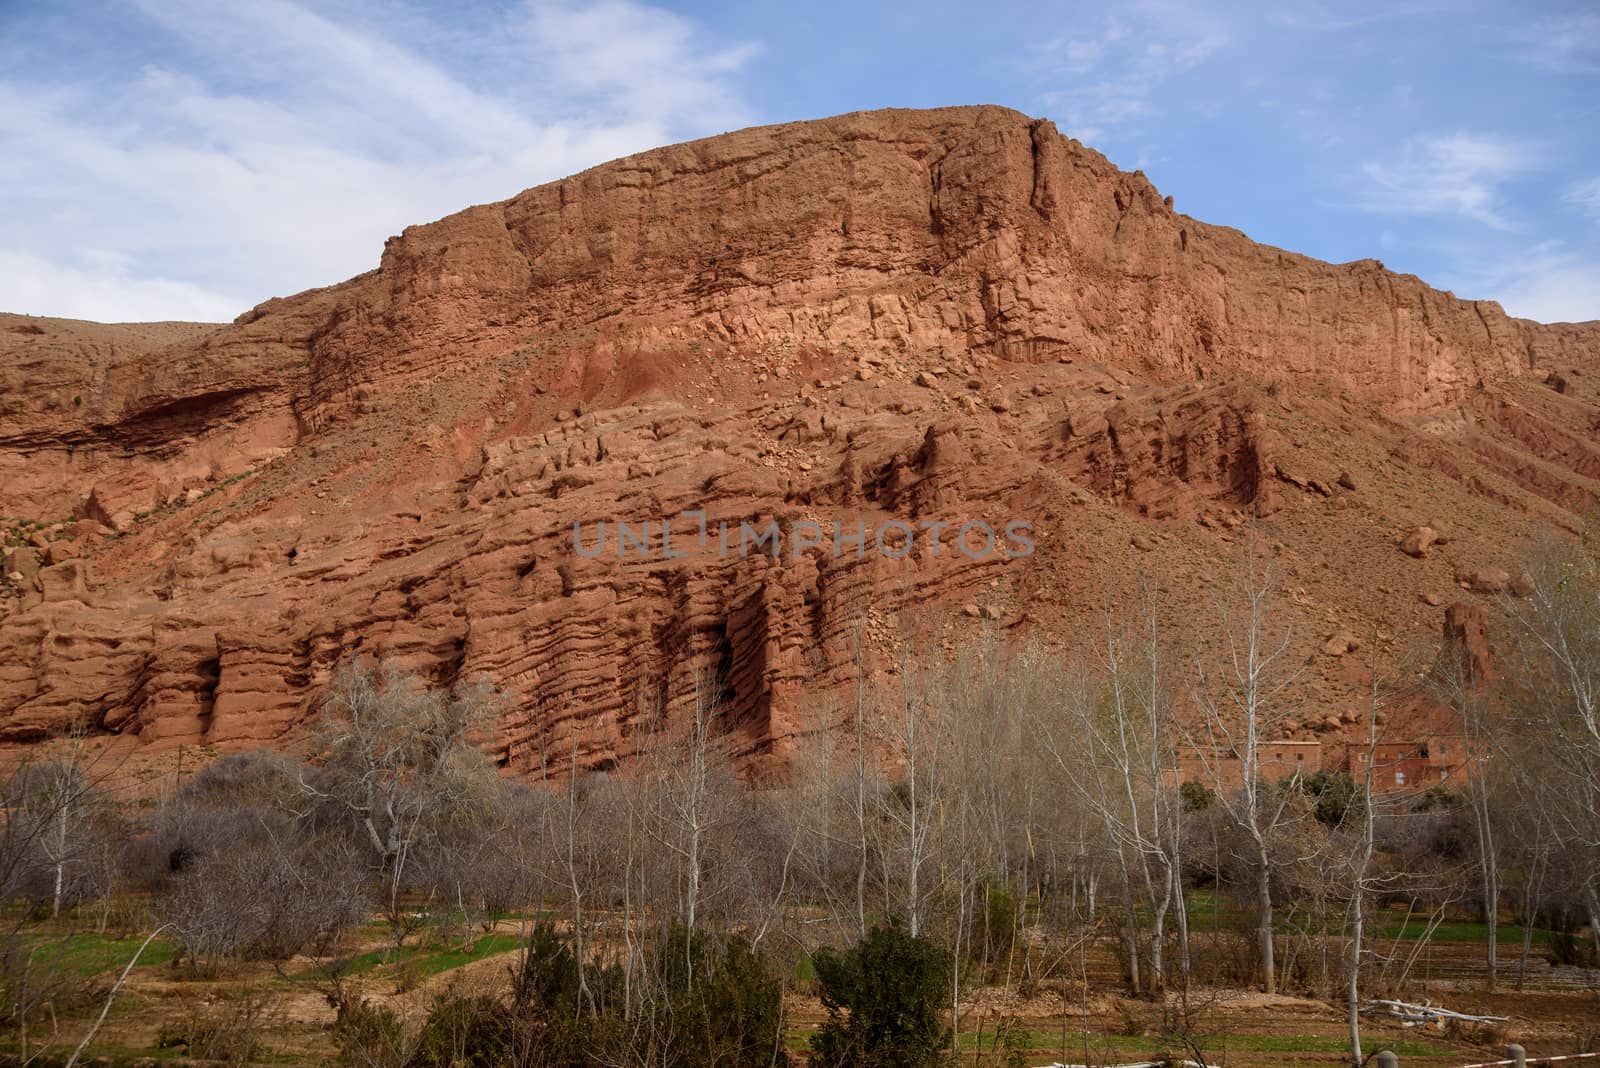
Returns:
point(1518, 1055)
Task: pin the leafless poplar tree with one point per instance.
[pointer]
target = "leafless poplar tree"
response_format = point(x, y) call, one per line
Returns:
point(1241, 700)
point(1361, 865)
point(1456, 684)
point(1557, 660)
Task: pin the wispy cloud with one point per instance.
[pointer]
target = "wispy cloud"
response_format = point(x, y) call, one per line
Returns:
point(1458, 174)
point(657, 68)
point(189, 158)
point(1324, 18)
point(1566, 44)
point(1112, 75)
point(339, 136)
point(1548, 281)
point(1584, 195)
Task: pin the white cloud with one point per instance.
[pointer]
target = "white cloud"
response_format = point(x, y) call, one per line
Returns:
point(1566, 44)
point(1314, 17)
point(1585, 195)
point(1080, 55)
point(1557, 289)
point(1547, 282)
point(1458, 174)
point(103, 290)
point(653, 66)
point(212, 200)
point(1114, 75)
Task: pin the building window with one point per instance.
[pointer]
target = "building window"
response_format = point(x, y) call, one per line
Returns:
point(1299, 756)
point(1399, 778)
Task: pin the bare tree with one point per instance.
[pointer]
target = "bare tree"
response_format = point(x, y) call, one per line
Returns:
point(1361, 867)
point(396, 758)
point(58, 832)
point(1557, 696)
point(688, 798)
point(912, 733)
point(859, 718)
point(1241, 700)
point(73, 833)
point(1457, 683)
point(1132, 753)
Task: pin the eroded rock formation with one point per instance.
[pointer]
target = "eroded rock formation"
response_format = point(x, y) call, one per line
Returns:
point(914, 316)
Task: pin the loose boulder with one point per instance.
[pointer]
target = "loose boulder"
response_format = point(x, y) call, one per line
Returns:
point(1419, 542)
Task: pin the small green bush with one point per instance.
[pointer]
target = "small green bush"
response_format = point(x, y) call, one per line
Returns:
point(369, 1035)
point(463, 1032)
point(992, 930)
point(733, 1009)
point(885, 998)
point(1337, 797)
point(1195, 796)
point(1436, 797)
point(1566, 948)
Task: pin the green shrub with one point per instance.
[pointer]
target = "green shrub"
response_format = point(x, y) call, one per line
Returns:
point(1436, 797)
point(1195, 796)
point(547, 980)
point(463, 1032)
point(992, 931)
point(1337, 796)
point(885, 998)
point(730, 1007)
point(556, 1025)
point(707, 1004)
point(369, 1035)
point(1566, 948)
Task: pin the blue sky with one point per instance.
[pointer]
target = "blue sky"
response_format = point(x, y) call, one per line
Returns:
point(191, 158)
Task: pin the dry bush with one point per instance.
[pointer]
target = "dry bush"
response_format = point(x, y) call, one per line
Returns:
point(62, 837)
point(370, 1035)
point(1490, 1034)
point(228, 1032)
point(248, 884)
point(1229, 959)
point(259, 778)
point(1133, 1020)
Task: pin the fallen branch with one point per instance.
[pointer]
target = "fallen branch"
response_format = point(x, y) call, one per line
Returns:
point(1413, 1015)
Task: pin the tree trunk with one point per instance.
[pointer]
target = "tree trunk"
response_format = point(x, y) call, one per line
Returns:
point(61, 861)
point(1158, 928)
point(1491, 893)
point(1593, 898)
point(914, 857)
point(1134, 985)
point(1181, 914)
point(1264, 904)
point(1352, 991)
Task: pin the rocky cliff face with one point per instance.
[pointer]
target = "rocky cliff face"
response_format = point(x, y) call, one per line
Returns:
point(951, 316)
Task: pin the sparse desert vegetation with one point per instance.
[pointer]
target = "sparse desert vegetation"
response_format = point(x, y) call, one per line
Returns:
point(988, 857)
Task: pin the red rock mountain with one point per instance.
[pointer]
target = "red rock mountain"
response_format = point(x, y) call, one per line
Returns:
point(953, 315)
